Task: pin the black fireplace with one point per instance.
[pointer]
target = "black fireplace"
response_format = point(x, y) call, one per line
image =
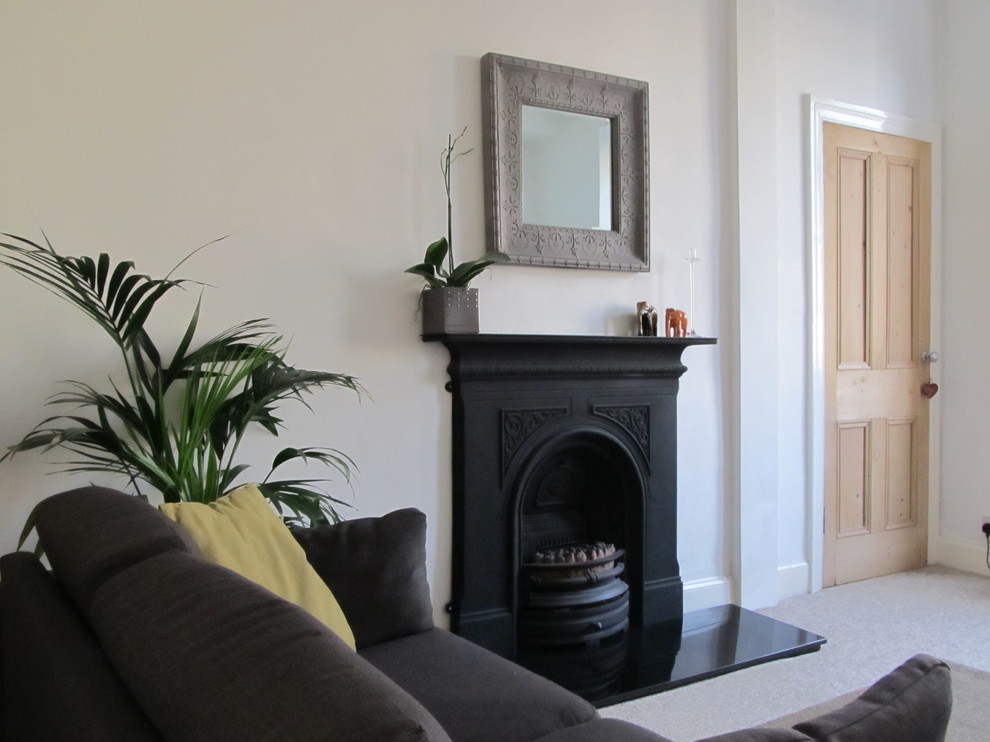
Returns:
point(565, 506)
point(559, 440)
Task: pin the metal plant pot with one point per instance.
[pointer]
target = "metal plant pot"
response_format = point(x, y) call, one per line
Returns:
point(450, 310)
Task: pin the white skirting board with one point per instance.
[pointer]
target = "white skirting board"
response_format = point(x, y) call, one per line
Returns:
point(964, 555)
point(701, 594)
point(792, 580)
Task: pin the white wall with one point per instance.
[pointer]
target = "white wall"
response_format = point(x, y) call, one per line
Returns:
point(310, 132)
point(926, 61)
point(965, 348)
point(882, 54)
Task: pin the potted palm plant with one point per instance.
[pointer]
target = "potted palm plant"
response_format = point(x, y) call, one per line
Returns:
point(449, 304)
point(174, 425)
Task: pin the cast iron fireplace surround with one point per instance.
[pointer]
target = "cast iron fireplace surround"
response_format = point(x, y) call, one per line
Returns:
point(559, 439)
point(562, 440)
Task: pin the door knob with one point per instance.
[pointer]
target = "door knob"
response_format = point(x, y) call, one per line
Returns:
point(929, 356)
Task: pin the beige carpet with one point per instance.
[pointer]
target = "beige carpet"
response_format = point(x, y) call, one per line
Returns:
point(871, 627)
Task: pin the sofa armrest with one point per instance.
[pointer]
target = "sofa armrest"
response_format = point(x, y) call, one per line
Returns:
point(56, 681)
point(910, 704)
point(376, 569)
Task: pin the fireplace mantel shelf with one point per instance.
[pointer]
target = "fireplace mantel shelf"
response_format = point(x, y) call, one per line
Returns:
point(592, 340)
point(479, 356)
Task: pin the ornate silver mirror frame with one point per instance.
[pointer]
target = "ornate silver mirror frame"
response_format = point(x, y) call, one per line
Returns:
point(509, 83)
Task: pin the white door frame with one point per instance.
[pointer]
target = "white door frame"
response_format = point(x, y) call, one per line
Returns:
point(822, 111)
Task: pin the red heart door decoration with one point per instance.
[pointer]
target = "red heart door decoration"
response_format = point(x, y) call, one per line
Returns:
point(929, 389)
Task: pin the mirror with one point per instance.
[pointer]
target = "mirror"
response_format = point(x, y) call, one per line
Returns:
point(566, 169)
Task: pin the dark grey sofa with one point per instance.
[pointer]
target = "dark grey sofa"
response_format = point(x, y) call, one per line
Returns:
point(133, 636)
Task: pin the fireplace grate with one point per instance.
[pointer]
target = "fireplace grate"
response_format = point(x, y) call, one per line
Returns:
point(573, 596)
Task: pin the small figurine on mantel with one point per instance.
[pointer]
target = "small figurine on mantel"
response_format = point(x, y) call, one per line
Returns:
point(676, 323)
point(646, 319)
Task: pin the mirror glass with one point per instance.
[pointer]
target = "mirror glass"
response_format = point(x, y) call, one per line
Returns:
point(566, 169)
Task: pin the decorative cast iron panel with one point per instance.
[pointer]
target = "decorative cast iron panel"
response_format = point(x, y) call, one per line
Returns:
point(634, 419)
point(518, 425)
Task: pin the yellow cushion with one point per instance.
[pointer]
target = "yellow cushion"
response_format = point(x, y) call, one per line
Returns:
point(240, 531)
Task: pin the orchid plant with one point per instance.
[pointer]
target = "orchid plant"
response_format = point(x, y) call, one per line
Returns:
point(432, 268)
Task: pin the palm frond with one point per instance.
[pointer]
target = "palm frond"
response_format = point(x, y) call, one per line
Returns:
point(118, 300)
point(176, 426)
point(304, 500)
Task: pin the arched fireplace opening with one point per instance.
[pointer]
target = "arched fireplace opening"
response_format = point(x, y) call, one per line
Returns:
point(578, 556)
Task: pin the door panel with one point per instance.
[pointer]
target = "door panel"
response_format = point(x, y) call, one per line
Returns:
point(853, 226)
point(901, 500)
point(877, 244)
point(854, 457)
point(901, 267)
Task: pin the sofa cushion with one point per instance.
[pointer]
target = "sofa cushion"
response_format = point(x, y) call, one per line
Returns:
point(240, 531)
point(90, 534)
point(761, 734)
point(376, 568)
point(213, 656)
point(910, 704)
point(57, 682)
point(603, 730)
point(458, 681)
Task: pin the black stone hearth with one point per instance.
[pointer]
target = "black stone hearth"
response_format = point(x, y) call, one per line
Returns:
point(649, 659)
point(563, 441)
